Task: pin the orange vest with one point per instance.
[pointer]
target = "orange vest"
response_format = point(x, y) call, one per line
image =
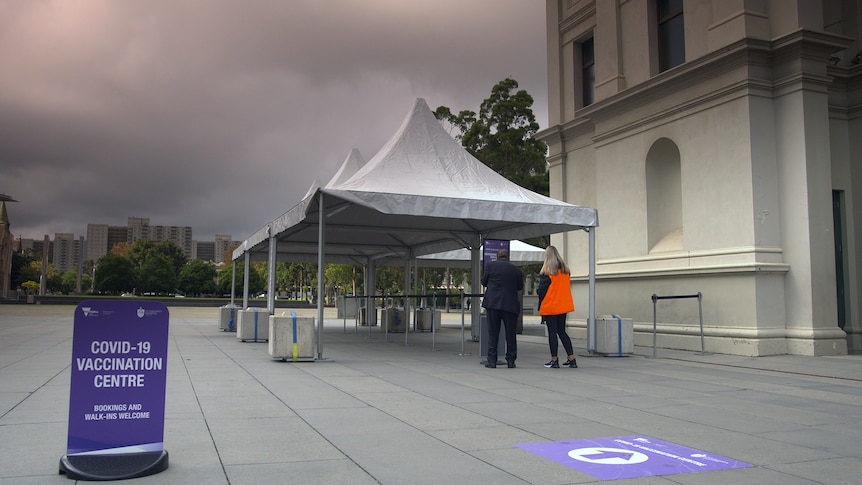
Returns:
point(558, 299)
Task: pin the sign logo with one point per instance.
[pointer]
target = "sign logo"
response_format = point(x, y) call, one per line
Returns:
point(141, 312)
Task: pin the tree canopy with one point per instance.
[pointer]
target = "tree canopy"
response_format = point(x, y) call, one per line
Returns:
point(115, 274)
point(144, 267)
point(502, 135)
point(197, 278)
point(256, 281)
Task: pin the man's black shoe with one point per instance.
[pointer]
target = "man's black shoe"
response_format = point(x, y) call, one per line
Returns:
point(511, 365)
point(490, 365)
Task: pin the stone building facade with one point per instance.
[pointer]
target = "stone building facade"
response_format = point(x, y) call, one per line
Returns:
point(719, 141)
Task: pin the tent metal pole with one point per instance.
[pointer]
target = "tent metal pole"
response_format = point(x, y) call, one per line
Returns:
point(407, 296)
point(270, 291)
point(591, 325)
point(321, 245)
point(232, 282)
point(371, 289)
point(245, 280)
point(369, 294)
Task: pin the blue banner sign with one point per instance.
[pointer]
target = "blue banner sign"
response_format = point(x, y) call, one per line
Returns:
point(118, 378)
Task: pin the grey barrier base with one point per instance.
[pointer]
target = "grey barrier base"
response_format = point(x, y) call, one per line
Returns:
point(113, 467)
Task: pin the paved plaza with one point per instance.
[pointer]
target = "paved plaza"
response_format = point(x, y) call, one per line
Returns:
point(420, 409)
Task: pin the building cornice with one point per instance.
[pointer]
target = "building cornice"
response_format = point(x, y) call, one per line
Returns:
point(743, 268)
point(749, 67)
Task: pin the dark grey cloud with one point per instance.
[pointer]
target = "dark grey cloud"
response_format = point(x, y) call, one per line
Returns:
point(220, 114)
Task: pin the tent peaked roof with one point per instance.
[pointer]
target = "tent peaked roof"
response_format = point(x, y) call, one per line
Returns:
point(422, 170)
point(349, 166)
point(421, 193)
point(423, 152)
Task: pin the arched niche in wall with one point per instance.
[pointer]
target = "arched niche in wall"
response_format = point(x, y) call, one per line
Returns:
point(664, 197)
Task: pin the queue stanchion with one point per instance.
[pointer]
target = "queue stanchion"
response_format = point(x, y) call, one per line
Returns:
point(463, 353)
point(358, 320)
point(344, 313)
point(368, 311)
point(433, 323)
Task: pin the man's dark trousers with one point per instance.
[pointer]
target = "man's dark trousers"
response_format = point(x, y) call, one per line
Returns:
point(509, 321)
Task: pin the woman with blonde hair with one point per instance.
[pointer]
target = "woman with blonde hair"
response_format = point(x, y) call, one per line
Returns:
point(555, 301)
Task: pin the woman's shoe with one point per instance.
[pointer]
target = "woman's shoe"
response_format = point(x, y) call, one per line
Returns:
point(572, 363)
point(554, 364)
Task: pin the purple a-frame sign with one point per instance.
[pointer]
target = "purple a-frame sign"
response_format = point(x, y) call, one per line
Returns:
point(117, 391)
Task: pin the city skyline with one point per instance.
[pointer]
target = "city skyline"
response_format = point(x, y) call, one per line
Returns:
point(67, 250)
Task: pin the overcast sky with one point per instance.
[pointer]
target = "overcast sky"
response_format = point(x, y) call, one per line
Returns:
point(219, 114)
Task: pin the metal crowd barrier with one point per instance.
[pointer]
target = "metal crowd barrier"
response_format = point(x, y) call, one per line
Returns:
point(414, 317)
point(655, 299)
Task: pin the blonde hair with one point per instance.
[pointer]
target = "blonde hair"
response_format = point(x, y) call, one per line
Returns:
point(554, 262)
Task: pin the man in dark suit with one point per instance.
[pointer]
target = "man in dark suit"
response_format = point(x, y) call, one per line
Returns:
point(502, 281)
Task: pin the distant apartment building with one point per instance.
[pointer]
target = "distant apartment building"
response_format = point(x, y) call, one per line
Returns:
point(101, 238)
point(140, 228)
point(213, 251)
point(66, 252)
point(203, 250)
point(22, 245)
point(116, 235)
point(222, 243)
point(97, 241)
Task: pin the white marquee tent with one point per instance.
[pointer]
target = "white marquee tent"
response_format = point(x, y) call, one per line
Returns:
point(422, 193)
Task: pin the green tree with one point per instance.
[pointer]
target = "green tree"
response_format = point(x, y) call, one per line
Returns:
point(30, 270)
point(197, 277)
point(20, 264)
point(55, 280)
point(143, 249)
point(157, 265)
point(69, 282)
point(121, 248)
point(174, 253)
point(346, 276)
point(115, 274)
point(86, 283)
point(256, 282)
point(157, 275)
point(502, 135)
point(285, 276)
point(390, 280)
point(295, 278)
point(30, 286)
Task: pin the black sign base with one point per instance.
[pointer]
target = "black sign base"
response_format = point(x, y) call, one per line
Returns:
point(113, 467)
